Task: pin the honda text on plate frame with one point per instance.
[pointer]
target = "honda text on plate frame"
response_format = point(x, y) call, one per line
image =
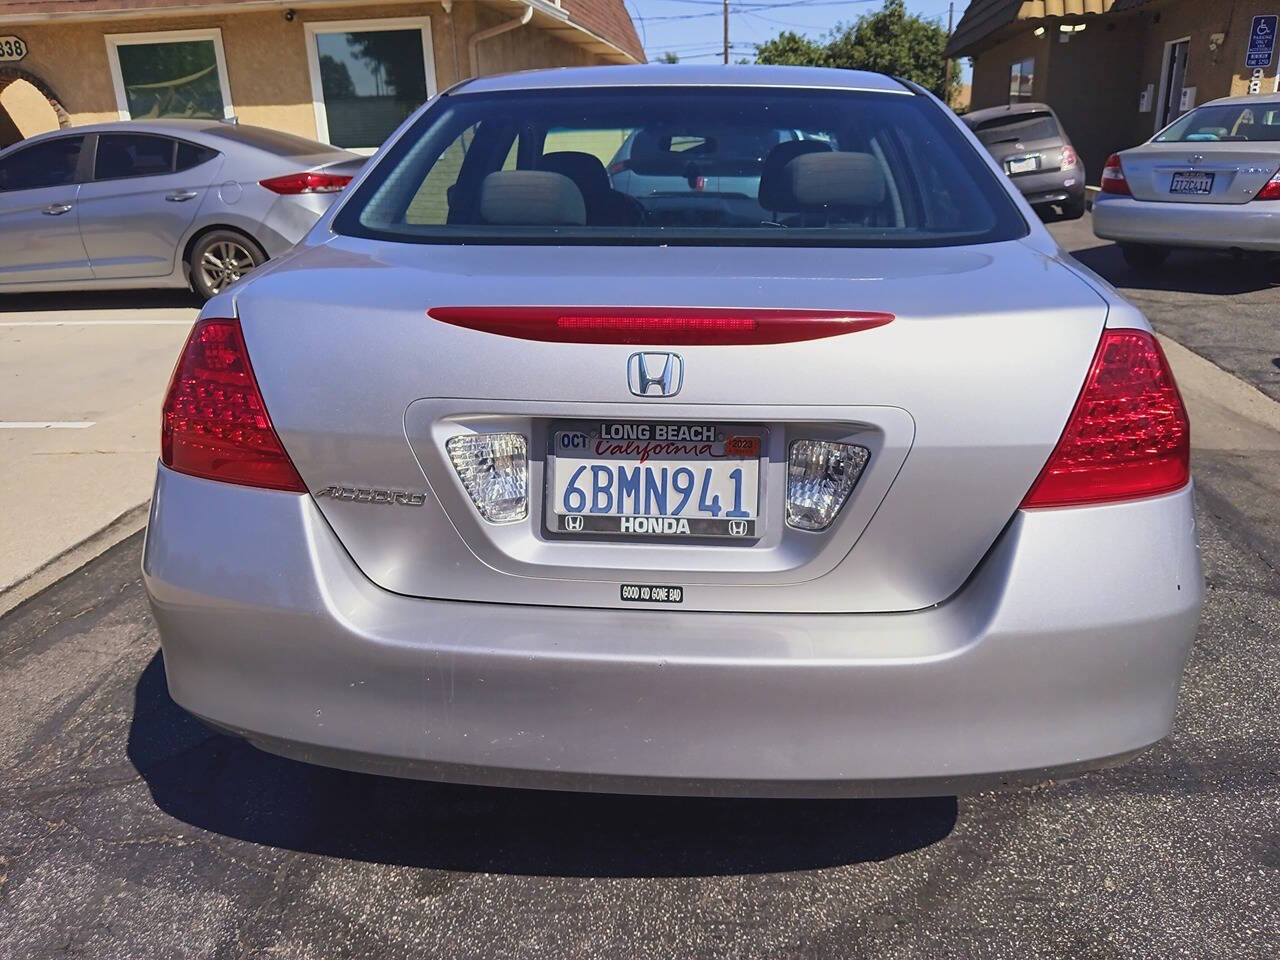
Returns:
point(789, 457)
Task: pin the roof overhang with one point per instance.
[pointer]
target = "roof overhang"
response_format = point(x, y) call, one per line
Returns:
point(554, 19)
point(547, 14)
point(987, 22)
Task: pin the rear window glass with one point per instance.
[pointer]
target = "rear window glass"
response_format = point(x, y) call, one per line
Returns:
point(1040, 125)
point(1239, 122)
point(272, 141)
point(683, 165)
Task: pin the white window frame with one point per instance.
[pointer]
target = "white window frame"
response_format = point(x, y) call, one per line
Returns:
point(117, 40)
point(312, 29)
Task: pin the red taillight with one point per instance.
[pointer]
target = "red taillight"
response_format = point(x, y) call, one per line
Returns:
point(618, 166)
point(1067, 158)
point(215, 424)
point(293, 183)
point(685, 326)
point(1128, 435)
point(1270, 190)
point(1113, 180)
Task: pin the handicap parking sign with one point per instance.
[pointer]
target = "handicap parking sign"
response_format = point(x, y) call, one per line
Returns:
point(1262, 42)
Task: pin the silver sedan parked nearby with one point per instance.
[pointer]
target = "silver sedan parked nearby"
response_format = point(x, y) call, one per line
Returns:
point(1209, 180)
point(496, 479)
point(158, 204)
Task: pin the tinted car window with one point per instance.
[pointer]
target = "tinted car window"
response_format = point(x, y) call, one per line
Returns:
point(809, 166)
point(272, 141)
point(192, 155)
point(132, 155)
point(50, 163)
point(1238, 122)
point(1040, 125)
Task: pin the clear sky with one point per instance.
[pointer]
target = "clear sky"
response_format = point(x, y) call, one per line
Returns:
point(694, 30)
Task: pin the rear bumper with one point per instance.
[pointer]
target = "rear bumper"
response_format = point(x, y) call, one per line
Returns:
point(1058, 186)
point(1212, 226)
point(1064, 651)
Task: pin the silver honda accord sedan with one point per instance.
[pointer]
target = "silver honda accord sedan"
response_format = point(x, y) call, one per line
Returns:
point(1210, 180)
point(160, 203)
point(851, 484)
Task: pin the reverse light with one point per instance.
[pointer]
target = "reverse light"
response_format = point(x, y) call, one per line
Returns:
point(1113, 180)
point(295, 183)
point(1128, 435)
point(1270, 190)
point(682, 326)
point(215, 424)
point(820, 477)
point(493, 468)
point(1067, 158)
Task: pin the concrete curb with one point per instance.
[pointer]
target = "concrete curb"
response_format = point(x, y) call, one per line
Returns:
point(75, 557)
point(1204, 379)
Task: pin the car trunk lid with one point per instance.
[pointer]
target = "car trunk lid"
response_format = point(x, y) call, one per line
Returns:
point(1199, 172)
point(958, 401)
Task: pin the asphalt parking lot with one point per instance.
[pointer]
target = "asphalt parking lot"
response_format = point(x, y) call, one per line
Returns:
point(129, 830)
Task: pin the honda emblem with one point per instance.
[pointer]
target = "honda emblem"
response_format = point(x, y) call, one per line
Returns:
point(655, 374)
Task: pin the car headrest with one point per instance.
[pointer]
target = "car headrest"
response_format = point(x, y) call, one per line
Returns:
point(531, 198)
point(584, 169)
point(775, 189)
point(837, 179)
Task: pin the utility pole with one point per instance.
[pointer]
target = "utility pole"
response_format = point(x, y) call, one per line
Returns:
point(726, 31)
point(946, 83)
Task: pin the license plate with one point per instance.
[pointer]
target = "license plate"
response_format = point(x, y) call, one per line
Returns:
point(1191, 183)
point(658, 479)
point(1023, 164)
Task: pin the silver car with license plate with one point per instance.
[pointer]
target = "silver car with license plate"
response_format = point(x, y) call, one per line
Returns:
point(1210, 180)
point(866, 489)
point(158, 203)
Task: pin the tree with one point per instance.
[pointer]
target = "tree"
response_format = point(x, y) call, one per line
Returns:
point(335, 79)
point(888, 41)
point(669, 57)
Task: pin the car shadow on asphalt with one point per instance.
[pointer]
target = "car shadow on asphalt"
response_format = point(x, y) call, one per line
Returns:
point(99, 300)
point(221, 784)
point(1186, 271)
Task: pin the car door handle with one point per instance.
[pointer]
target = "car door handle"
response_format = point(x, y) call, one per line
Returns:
point(57, 209)
point(181, 195)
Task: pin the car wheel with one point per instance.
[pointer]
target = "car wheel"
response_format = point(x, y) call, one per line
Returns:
point(1073, 209)
point(1142, 257)
point(220, 258)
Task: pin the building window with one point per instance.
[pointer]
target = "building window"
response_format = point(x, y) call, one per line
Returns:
point(1022, 78)
point(367, 76)
point(179, 73)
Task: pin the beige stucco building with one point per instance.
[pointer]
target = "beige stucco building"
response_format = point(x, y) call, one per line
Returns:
point(341, 72)
point(1114, 70)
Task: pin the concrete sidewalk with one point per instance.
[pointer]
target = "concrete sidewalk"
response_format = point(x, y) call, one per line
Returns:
point(81, 382)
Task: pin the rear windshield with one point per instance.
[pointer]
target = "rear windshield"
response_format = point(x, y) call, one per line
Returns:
point(683, 165)
point(1040, 125)
point(1255, 121)
point(272, 141)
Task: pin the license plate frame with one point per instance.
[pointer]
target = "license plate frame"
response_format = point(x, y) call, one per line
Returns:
point(1025, 164)
point(1182, 178)
point(609, 526)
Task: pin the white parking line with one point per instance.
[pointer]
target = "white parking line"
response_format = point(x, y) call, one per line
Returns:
point(45, 424)
point(95, 323)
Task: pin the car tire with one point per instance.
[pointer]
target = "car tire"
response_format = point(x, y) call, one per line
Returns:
point(1140, 256)
point(1073, 209)
point(220, 258)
